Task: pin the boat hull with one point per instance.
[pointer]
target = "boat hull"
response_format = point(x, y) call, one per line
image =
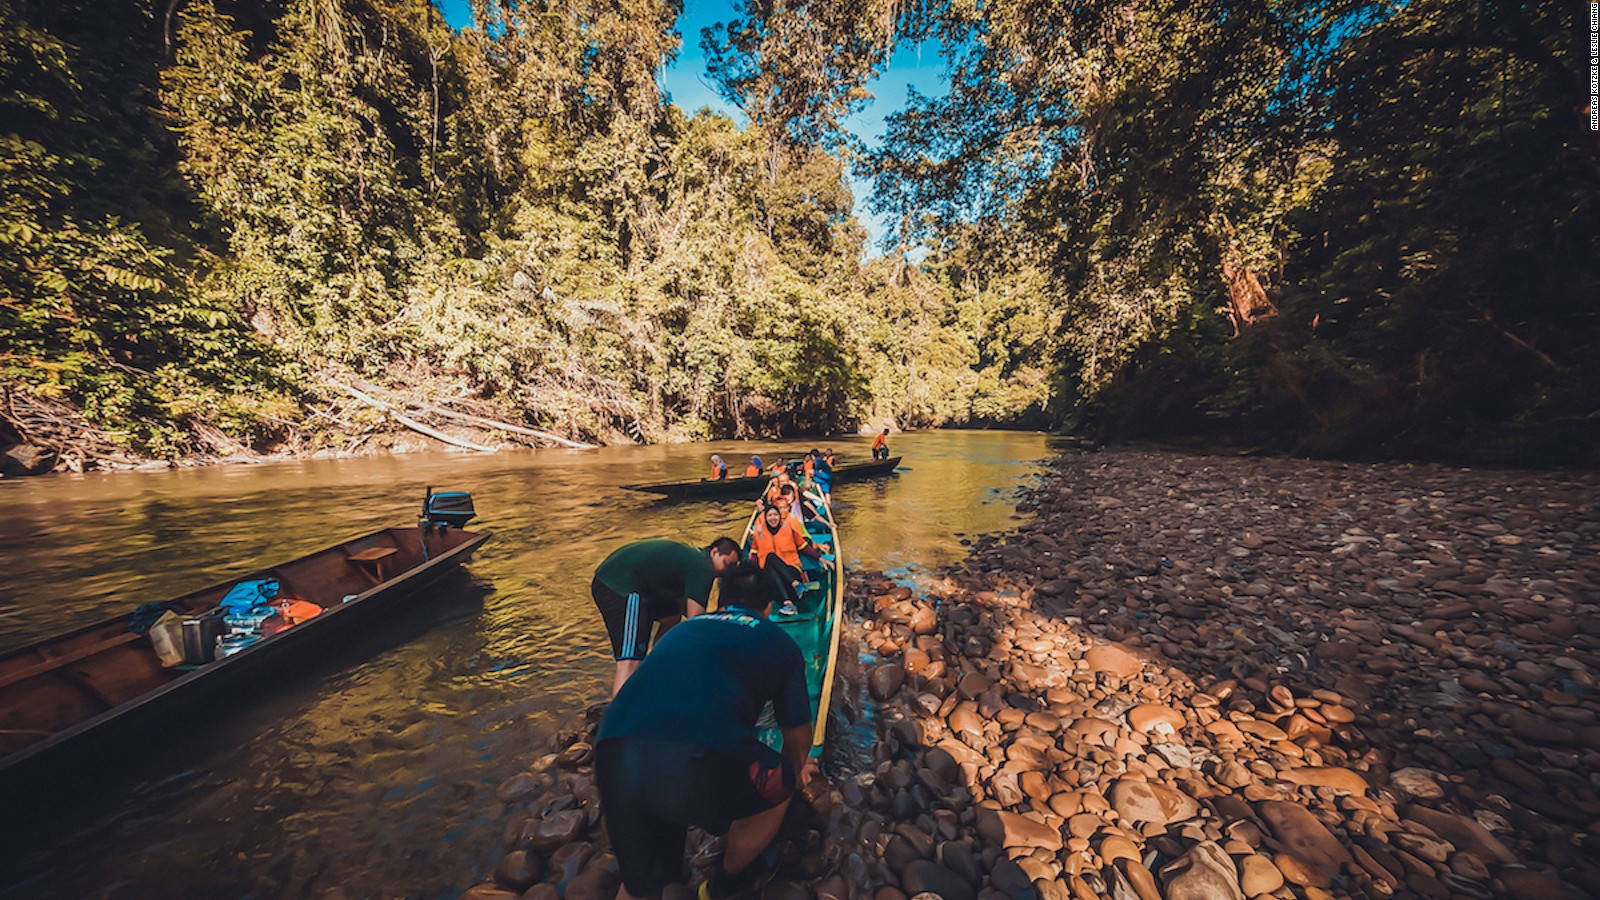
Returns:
point(43, 766)
point(816, 627)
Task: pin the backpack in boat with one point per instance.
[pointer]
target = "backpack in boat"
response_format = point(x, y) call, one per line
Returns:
point(247, 595)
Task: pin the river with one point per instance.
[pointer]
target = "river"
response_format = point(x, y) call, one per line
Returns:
point(375, 772)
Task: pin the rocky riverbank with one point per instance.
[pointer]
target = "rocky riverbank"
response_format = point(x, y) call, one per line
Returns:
point(1214, 677)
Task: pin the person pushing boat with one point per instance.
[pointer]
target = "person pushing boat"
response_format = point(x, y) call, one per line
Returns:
point(654, 581)
point(678, 746)
point(880, 445)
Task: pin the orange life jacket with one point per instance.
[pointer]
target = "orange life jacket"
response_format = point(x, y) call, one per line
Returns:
point(880, 442)
point(809, 466)
point(752, 470)
point(786, 543)
point(718, 472)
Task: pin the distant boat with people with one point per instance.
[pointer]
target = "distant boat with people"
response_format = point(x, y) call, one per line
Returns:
point(752, 486)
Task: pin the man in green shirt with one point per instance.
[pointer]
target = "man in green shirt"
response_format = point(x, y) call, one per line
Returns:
point(652, 581)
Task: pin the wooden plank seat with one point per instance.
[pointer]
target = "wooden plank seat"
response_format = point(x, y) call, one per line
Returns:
point(53, 661)
point(370, 561)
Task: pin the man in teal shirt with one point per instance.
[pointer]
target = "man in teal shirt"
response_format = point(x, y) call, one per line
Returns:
point(652, 581)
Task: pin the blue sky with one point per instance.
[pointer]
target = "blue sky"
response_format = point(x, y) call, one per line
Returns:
point(685, 81)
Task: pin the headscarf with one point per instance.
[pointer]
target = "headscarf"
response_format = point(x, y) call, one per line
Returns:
point(717, 461)
point(756, 461)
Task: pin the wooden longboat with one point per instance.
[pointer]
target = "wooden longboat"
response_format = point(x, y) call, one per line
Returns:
point(753, 485)
point(69, 696)
point(815, 628)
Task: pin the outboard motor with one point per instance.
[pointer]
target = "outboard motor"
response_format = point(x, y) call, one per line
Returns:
point(443, 510)
point(446, 508)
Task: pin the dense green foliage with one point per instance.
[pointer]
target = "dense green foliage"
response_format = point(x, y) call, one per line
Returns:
point(1331, 225)
point(1339, 226)
point(215, 210)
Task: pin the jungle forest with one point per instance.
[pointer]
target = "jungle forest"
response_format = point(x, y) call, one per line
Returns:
point(1324, 227)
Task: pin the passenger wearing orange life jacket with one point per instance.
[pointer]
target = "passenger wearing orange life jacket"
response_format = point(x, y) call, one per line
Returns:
point(719, 469)
point(776, 543)
point(780, 480)
point(754, 469)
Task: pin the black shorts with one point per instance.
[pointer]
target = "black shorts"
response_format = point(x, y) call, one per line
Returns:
point(651, 791)
point(628, 620)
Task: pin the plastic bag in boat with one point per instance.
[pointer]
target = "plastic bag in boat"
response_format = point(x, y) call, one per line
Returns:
point(250, 594)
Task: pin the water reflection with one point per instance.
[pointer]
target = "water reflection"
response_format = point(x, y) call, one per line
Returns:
point(376, 772)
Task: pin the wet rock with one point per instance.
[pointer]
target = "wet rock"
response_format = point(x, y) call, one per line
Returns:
point(26, 459)
point(1008, 878)
point(886, 679)
point(549, 892)
point(1303, 836)
point(930, 877)
point(1158, 717)
point(900, 854)
point(1138, 879)
point(1529, 884)
point(550, 833)
point(833, 887)
point(597, 881)
point(518, 786)
point(1419, 783)
point(1150, 802)
point(1257, 875)
point(567, 862)
point(1008, 829)
point(972, 684)
point(518, 869)
point(1299, 872)
point(1113, 660)
point(1203, 873)
point(488, 892)
point(1339, 779)
point(1463, 832)
point(578, 754)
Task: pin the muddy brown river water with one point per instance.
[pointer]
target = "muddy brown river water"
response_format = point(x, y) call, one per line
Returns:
point(375, 771)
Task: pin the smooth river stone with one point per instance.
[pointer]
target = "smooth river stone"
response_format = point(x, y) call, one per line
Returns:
point(1147, 717)
point(1257, 875)
point(1116, 847)
point(1264, 730)
point(924, 876)
point(886, 679)
point(1113, 660)
point(1146, 801)
point(518, 869)
point(1339, 779)
point(1419, 783)
point(1204, 873)
point(1008, 829)
point(1303, 834)
point(1465, 833)
point(550, 833)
